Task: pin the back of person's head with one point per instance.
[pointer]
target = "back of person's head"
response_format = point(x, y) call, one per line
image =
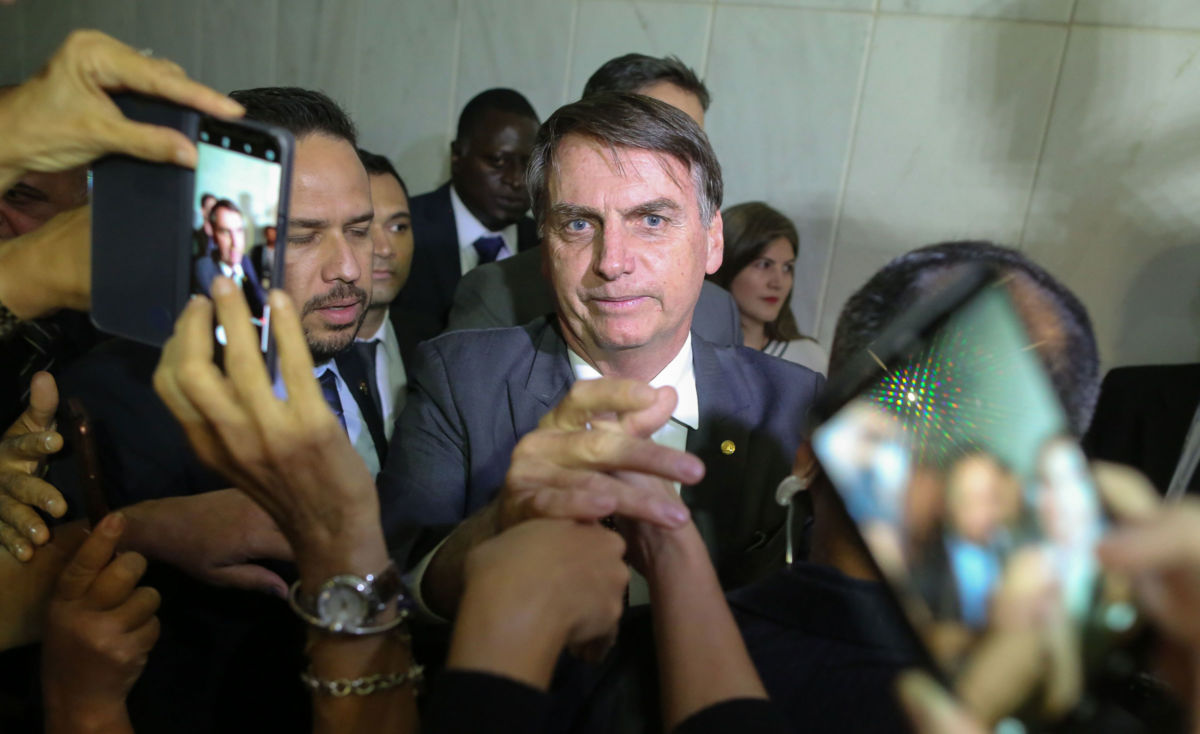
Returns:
point(628, 121)
point(632, 73)
point(378, 165)
point(748, 228)
point(299, 111)
point(499, 99)
point(1070, 352)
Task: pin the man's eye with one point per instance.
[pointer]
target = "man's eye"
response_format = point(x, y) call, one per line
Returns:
point(577, 225)
point(359, 232)
point(303, 239)
point(398, 228)
point(789, 268)
point(654, 221)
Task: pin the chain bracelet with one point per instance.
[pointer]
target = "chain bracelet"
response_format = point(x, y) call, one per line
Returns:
point(364, 686)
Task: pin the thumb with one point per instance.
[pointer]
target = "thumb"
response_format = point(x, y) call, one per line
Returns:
point(930, 709)
point(249, 577)
point(43, 402)
point(644, 422)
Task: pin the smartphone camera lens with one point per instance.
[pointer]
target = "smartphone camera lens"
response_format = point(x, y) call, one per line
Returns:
point(204, 137)
point(247, 147)
point(270, 155)
point(224, 142)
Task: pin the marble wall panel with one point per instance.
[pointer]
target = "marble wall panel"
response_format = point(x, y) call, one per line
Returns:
point(852, 5)
point(173, 29)
point(1045, 10)
point(406, 66)
point(605, 30)
point(952, 118)
point(13, 57)
point(238, 43)
point(1114, 211)
point(523, 44)
point(319, 46)
point(784, 83)
point(1138, 13)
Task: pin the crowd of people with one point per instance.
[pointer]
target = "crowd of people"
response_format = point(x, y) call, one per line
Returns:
point(521, 453)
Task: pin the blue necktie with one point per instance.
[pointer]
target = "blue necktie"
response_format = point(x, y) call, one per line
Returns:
point(488, 248)
point(329, 391)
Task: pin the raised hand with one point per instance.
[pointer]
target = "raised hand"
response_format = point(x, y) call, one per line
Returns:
point(100, 628)
point(23, 448)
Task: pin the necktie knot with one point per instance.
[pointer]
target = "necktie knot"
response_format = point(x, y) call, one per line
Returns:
point(488, 247)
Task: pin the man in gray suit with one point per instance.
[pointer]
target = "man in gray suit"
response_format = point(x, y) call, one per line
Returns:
point(506, 424)
point(514, 291)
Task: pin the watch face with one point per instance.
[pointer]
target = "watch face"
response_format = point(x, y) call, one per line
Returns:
point(341, 606)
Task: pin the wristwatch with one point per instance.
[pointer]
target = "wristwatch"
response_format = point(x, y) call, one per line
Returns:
point(351, 605)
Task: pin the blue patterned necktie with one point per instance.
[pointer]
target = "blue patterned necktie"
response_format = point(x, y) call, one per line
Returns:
point(329, 391)
point(488, 247)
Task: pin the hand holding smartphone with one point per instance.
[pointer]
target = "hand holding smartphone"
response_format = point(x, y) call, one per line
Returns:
point(950, 452)
point(161, 233)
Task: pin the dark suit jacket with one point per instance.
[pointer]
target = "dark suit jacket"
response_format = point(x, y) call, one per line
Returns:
point(205, 269)
point(513, 291)
point(435, 264)
point(1143, 418)
point(474, 394)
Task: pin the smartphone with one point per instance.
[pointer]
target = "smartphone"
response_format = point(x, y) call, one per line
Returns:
point(161, 233)
point(949, 450)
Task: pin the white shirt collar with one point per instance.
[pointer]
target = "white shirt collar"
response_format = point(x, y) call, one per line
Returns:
point(384, 328)
point(470, 229)
point(680, 373)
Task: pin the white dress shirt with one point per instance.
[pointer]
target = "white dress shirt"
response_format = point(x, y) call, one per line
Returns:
point(680, 373)
point(470, 229)
point(390, 376)
point(360, 437)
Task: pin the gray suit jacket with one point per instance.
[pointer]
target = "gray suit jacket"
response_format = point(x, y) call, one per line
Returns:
point(474, 394)
point(513, 291)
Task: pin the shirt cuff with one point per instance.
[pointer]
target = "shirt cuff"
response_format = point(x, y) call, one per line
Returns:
point(416, 577)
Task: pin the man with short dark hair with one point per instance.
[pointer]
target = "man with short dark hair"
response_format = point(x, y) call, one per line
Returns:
point(514, 291)
point(235, 650)
point(627, 192)
point(479, 215)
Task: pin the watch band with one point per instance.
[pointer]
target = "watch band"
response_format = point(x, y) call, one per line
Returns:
point(378, 590)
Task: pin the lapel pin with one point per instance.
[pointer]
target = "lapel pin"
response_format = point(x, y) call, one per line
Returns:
point(728, 447)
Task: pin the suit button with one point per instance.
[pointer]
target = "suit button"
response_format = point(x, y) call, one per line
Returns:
point(728, 447)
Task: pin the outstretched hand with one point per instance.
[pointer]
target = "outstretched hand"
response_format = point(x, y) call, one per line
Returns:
point(63, 116)
point(592, 457)
point(23, 448)
point(100, 629)
point(292, 457)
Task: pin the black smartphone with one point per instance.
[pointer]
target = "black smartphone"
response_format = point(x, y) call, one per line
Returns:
point(949, 450)
point(161, 233)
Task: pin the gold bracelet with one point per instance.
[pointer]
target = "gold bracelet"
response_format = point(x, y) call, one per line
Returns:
point(364, 686)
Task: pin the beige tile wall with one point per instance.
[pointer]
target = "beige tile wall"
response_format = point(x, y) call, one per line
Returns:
point(1070, 128)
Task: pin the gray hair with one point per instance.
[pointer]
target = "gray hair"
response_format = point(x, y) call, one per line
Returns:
point(627, 121)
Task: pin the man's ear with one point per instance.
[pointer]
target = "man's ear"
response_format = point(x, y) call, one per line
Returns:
point(457, 151)
point(716, 244)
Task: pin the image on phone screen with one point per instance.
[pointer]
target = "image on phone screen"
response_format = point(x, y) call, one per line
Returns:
point(236, 206)
point(958, 467)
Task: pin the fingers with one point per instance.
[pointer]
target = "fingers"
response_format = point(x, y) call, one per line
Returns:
point(43, 403)
point(15, 543)
point(188, 349)
point(930, 709)
point(250, 577)
point(607, 451)
point(150, 142)
point(590, 398)
point(137, 610)
point(32, 446)
point(295, 360)
point(116, 581)
point(24, 520)
point(35, 492)
point(1170, 539)
point(93, 555)
point(243, 358)
point(1126, 492)
point(128, 69)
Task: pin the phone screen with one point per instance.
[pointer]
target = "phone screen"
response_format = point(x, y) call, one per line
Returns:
point(236, 205)
point(958, 467)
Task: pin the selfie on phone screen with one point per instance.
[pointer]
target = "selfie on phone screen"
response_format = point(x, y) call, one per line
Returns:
point(957, 466)
point(237, 211)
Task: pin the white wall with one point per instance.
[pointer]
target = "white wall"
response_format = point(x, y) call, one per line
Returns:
point(1070, 128)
